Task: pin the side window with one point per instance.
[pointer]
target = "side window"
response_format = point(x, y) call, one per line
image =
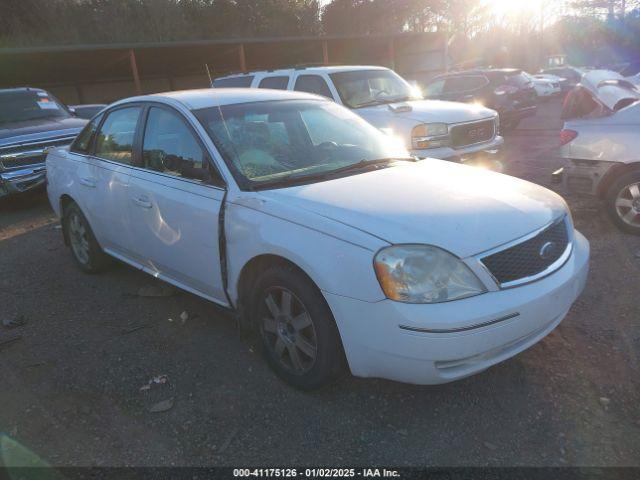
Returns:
point(313, 84)
point(473, 83)
point(434, 88)
point(170, 147)
point(277, 83)
point(82, 143)
point(452, 85)
point(233, 82)
point(115, 140)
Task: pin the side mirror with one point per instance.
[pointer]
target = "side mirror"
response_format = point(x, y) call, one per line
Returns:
point(73, 111)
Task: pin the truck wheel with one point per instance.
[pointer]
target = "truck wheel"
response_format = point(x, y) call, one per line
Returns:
point(84, 247)
point(299, 336)
point(623, 202)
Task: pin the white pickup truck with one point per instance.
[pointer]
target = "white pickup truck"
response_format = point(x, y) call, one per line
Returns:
point(428, 128)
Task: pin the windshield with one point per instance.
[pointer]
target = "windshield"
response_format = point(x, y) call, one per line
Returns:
point(361, 88)
point(264, 143)
point(520, 80)
point(20, 106)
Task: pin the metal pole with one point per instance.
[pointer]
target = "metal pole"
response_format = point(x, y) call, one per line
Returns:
point(242, 57)
point(134, 70)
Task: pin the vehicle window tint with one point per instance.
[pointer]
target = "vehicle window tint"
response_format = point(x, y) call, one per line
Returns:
point(277, 83)
point(82, 143)
point(170, 147)
point(115, 140)
point(464, 84)
point(313, 84)
point(434, 88)
point(233, 82)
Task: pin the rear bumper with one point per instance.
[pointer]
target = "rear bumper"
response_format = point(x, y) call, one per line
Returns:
point(582, 176)
point(439, 343)
point(22, 180)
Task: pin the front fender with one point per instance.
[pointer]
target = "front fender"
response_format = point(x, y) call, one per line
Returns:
point(336, 266)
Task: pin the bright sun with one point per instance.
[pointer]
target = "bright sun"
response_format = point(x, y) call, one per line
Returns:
point(509, 7)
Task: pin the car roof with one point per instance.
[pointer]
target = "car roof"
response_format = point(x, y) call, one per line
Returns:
point(315, 69)
point(21, 89)
point(480, 71)
point(214, 97)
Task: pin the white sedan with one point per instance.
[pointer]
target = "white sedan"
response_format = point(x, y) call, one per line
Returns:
point(545, 87)
point(321, 233)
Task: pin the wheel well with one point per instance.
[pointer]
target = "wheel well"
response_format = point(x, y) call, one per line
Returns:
point(259, 264)
point(613, 174)
point(64, 201)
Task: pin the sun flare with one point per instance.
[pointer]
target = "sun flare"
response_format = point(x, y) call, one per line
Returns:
point(509, 7)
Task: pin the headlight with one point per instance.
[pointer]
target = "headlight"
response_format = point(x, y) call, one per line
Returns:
point(430, 135)
point(424, 274)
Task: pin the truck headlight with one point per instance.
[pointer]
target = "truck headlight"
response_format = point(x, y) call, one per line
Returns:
point(430, 135)
point(424, 274)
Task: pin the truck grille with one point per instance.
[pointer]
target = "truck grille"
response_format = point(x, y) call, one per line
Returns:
point(472, 133)
point(531, 257)
point(29, 154)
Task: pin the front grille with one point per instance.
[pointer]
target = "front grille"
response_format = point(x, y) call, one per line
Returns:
point(22, 161)
point(472, 133)
point(531, 257)
point(30, 154)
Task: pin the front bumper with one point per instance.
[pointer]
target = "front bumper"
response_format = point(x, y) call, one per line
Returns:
point(492, 147)
point(444, 342)
point(22, 179)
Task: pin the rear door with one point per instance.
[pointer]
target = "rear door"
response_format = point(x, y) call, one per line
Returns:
point(175, 197)
point(105, 179)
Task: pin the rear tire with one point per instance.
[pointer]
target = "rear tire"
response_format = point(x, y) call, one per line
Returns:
point(623, 202)
point(85, 249)
point(299, 336)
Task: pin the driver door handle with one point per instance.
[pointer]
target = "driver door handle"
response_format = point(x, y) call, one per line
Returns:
point(142, 201)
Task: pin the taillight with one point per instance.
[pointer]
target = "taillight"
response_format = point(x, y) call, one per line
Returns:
point(567, 136)
point(505, 90)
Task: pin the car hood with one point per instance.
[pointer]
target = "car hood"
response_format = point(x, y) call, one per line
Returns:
point(430, 111)
point(42, 128)
point(462, 209)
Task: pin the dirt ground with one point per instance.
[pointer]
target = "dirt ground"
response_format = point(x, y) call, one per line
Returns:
point(71, 376)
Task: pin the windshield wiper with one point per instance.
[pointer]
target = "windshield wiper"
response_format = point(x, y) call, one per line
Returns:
point(384, 101)
point(362, 164)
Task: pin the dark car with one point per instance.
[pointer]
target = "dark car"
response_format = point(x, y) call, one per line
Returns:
point(571, 75)
point(31, 121)
point(508, 91)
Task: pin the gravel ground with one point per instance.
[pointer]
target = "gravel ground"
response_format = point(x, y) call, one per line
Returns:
point(71, 376)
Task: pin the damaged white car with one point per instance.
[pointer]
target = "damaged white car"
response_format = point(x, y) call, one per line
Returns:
point(600, 143)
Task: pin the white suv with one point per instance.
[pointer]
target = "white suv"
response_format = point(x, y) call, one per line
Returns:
point(317, 230)
point(429, 128)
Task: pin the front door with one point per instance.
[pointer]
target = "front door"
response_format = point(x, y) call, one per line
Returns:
point(174, 206)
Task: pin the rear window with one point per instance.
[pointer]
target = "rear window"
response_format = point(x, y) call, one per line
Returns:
point(519, 80)
point(276, 83)
point(233, 82)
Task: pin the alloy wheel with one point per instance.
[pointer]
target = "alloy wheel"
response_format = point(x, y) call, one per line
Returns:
point(78, 238)
point(288, 330)
point(628, 205)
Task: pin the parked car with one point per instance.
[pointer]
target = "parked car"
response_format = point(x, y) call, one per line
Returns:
point(320, 232)
point(442, 130)
point(601, 145)
point(508, 91)
point(31, 120)
point(545, 88)
point(571, 75)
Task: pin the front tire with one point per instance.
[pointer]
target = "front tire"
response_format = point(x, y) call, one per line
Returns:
point(300, 339)
point(623, 202)
point(85, 249)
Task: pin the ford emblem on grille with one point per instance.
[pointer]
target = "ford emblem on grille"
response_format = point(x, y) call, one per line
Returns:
point(547, 250)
